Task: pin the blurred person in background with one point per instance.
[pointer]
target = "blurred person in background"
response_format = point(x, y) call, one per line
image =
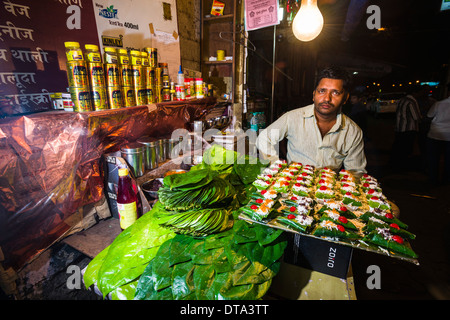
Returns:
point(438, 140)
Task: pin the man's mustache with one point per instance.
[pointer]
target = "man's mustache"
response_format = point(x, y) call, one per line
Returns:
point(326, 103)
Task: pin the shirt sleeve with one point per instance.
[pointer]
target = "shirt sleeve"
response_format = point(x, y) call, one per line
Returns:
point(269, 138)
point(356, 161)
point(432, 112)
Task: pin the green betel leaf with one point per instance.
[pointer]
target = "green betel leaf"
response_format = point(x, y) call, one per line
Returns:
point(162, 273)
point(90, 276)
point(266, 235)
point(125, 292)
point(180, 249)
point(130, 252)
point(146, 284)
point(203, 279)
point(191, 179)
point(181, 287)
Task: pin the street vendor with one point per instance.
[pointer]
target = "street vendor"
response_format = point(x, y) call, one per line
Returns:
point(319, 134)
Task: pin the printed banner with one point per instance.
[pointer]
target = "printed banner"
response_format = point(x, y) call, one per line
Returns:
point(260, 14)
point(138, 24)
point(32, 52)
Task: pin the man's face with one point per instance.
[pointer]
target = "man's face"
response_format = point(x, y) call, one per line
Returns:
point(329, 96)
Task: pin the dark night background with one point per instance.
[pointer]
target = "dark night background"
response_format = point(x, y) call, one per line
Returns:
point(412, 45)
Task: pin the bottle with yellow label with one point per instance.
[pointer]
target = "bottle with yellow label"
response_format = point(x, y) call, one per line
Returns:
point(126, 200)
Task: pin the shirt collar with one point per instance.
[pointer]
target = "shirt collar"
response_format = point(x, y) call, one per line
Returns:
point(340, 122)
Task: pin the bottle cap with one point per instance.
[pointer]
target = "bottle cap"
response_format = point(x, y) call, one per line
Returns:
point(123, 172)
point(71, 44)
point(91, 47)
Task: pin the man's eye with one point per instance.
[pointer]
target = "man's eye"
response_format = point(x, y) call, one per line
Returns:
point(336, 93)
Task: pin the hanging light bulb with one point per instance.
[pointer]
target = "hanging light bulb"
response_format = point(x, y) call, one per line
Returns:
point(308, 22)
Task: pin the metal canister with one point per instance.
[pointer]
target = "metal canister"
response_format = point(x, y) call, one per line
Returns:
point(152, 57)
point(112, 75)
point(110, 55)
point(81, 98)
point(165, 93)
point(150, 95)
point(179, 93)
point(162, 147)
point(115, 97)
point(151, 76)
point(140, 96)
point(125, 71)
point(96, 74)
point(129, 98)
point(73, 51)
point(151, 152)
point(77, 73)
point(171, 143)
point(158, 77)
point(138, 79)
point(165, 67)
point(157, 94)
point(133, 153)
point(99, 98)
point(92, 54)
point(144, 57)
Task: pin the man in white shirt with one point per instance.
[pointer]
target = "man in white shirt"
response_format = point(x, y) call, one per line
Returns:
point(319, 134)
point(438, 142)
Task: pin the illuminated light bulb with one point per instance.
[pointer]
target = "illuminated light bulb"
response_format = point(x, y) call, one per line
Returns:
point(308, 22)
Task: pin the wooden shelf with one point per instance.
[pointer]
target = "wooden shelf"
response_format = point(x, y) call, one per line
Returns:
point(218, 18)
point(219, 72)
point(219, 62)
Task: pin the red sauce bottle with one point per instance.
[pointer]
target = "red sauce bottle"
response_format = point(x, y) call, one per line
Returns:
point(127, 202)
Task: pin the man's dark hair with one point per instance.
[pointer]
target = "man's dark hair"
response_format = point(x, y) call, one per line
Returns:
point(334, 72)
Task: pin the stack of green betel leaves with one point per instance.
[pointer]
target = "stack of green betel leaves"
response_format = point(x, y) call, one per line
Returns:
point(333, 206)
point(191, 244)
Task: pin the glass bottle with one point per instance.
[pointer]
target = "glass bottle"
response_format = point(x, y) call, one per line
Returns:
point(127, 202)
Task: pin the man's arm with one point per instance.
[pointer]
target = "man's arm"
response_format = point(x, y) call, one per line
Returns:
point(356, 161)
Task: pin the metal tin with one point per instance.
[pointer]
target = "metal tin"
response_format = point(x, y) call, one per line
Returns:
point(99, 98)
point(133, 153)
point(158, 76)
point(146, 81)
point(112, 75)
point(138, 80)
point(129, 98)
point(162, 147)
point(179, 93)
point(151, 76)
point(158, 94)
point(152, 56)
point(77, 73)
point(151, 152)
point(145, 60)
point(122, 56)
point(141, 96)
point(81, 98)
point(110, 55)
point(135, 57)
point(73, 51)
point(165, 78)
point(171, 143)
point(165, 94)
point(199, 88)
point(92, 54)
point(126, 75)
point(165, 67)
point(150, 95)
point(96, 74)
point(115, 97)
